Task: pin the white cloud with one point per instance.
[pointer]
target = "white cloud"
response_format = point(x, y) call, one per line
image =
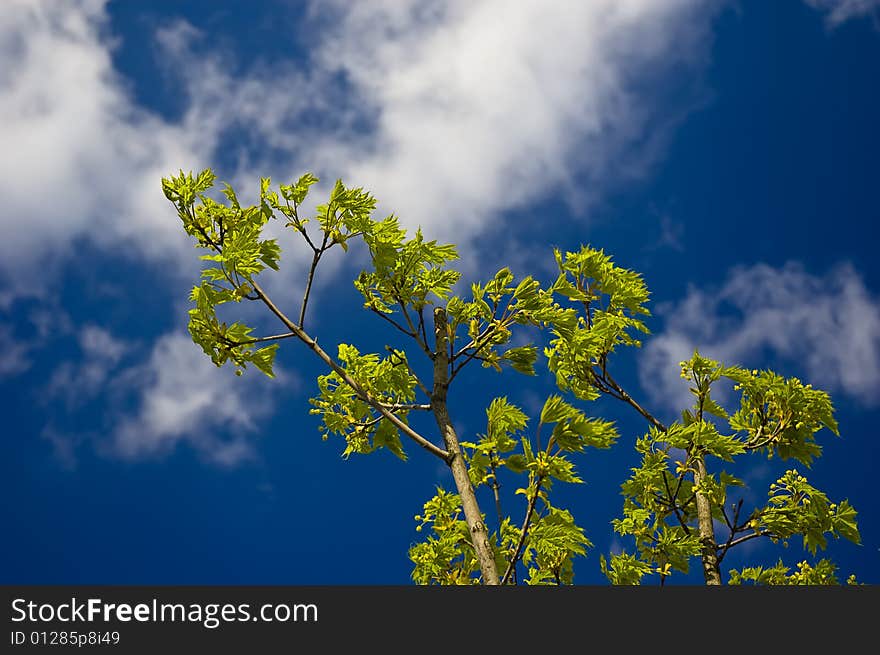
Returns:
point(13, 353)
point(485, 106)
point(36, 326)
point(80, 159)
point(825, 329)
point(840, 11)
point(183, 398)
point(173, 397)
point(78, 383)
point(449, 111)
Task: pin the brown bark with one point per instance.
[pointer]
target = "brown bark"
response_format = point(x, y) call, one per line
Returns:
point(709, 556)
point(473, 516)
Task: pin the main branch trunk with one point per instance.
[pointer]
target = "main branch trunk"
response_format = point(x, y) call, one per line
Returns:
point(472, 514)
point(709, 555)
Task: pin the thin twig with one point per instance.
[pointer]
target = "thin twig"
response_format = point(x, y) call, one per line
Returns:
point(759, 444)
point(315, 259)
point(523, 533)
point(422, 327)
point(475, 342)
point(674, 505)
point(397, 325)
point(477, 345)
point(689, 500)
point(274, 337)
point(298, 226)
point(495, 490)
point(631, 401)
point(762, 533)
point(409, 368)
point(397, 407)
point(726, 520)
point(733, 529)
point(413, 330)
point(303, 336)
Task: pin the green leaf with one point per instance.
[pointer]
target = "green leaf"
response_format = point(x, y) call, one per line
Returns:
point(796, 507)
point(445, 557)
point(556, 409)
point(843, 521)
point(346, 414)
point(264, 358)
point(560, 468)
point(504, 421)
point(823, 573)
point(578, 432)
point(624, 569)
point(712, 407)
point(555, 540)
point(705, 435)
point(300, 189)
point(782, 416)
point(516, 463)
point(522, 358)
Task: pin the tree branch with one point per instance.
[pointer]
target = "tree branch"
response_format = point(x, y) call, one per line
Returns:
point(523, 533)
point(274, 337)
point(673, 504)
point(397, 325)
point(343, 374)
point(414, 332)
point(732, 527)
point(302, 335)
point(624, 396)
point(762, 533)
point(457, 463)
point(495, 489)
point(315, 259)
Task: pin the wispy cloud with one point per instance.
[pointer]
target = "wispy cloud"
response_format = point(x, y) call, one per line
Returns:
point(452, 112)
point(182, 398)
point(81, 159)
point(79, 382)
point(26, 330)
point(149, 406)
point(840, 11)
point(13, 353)
point(825, 328)
point(476, 112)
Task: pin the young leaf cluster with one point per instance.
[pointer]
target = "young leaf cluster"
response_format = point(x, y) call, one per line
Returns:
point(776, 416)
point(672, 499)
point(447, 556)
point(611, 300)
point(481, 328)
point(548, 539)
point(823, 573)
point(232, 236)
point(344, 411)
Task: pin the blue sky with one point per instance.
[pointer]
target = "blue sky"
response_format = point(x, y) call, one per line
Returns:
point(726, 150)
